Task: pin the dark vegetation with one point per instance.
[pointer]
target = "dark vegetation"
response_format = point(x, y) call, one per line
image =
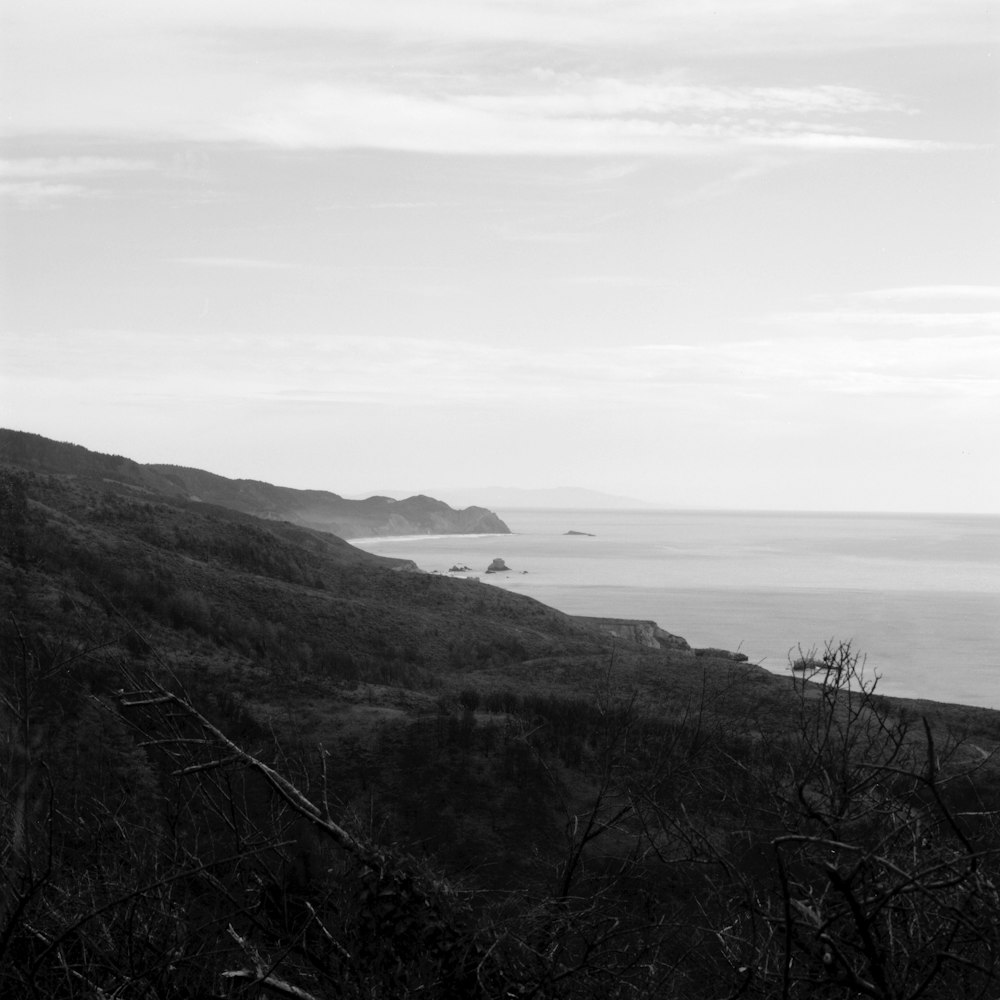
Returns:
point(240, 758)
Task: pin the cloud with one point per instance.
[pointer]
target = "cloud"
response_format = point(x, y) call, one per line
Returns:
point(931, 292)
point(724, 25)
point(614, 281)
point(37, 182)
point(38, 194)
point(921, 310)
point(916, 321)
point(622, 120)
point(339, 75)
point(932, 314)
point(398, 371)
point(239, 263)
point(70, 166)
point(410, 205)
point(833, 141)
point(561, 95)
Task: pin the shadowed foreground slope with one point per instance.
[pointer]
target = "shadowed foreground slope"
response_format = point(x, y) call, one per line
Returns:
point(241, 758)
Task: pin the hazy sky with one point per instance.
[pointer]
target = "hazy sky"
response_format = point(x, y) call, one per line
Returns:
point(740, 253)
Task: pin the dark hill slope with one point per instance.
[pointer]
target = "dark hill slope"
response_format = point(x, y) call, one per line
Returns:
point(530, 806)
point(265, 591)
point(41, 454)
point(317, 509)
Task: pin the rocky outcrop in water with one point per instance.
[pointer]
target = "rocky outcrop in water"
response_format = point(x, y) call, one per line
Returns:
point(721, 654)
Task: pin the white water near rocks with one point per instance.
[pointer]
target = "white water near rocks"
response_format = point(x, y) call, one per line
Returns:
point(919, 594)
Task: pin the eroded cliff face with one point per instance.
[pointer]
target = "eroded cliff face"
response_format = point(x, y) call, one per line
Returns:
point(637, 632)
point(649, 635)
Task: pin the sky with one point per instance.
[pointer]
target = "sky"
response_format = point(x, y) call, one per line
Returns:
point(737, 254)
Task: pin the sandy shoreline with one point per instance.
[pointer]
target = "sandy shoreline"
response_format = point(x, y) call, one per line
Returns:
point(419, 538)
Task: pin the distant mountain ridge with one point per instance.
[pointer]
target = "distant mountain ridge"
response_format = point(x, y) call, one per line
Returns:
point(317, 509)
point(499, 497)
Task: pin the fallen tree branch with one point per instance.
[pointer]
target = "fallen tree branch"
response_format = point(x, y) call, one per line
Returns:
point(235, 754)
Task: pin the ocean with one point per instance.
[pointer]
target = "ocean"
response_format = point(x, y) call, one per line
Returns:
point(918, 595)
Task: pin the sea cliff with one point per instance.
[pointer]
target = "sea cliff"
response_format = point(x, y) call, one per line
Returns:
point(637, 632)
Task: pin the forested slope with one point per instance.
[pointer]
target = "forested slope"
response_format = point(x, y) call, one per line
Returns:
point(241, 758)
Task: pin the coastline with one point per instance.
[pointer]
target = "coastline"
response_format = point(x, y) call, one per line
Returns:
point(918, 595)
point(378, 539)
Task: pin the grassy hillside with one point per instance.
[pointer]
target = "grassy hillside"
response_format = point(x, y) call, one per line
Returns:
point(241, 758)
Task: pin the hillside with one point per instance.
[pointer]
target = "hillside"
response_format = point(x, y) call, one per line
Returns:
point(319, 509)
point(168, 564)
point(239, 757)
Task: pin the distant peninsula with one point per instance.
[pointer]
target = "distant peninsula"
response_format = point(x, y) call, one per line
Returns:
point(316, 509)
point(555, 498)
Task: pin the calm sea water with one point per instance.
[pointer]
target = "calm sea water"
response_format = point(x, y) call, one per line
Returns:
point(918, 594)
